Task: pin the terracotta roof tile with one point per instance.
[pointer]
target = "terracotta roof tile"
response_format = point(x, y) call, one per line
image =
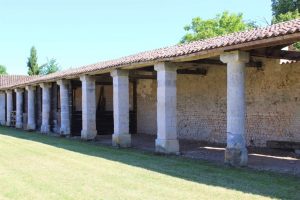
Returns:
point(162, 54)
point(7, 80)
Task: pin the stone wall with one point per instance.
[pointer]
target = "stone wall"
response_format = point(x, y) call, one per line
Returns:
point(272, 99)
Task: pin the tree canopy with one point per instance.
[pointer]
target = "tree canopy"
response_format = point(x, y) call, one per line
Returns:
point(286, 16)
point(33, 67)
point(285, 10)
point(50, 67)
point(284, 6)
point(3, 70)
point(222, 24)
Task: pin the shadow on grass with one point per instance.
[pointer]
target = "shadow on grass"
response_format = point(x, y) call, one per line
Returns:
point(248, 181)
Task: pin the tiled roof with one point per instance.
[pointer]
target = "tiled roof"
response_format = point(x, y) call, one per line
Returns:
point(7, 80)
point(163, 54)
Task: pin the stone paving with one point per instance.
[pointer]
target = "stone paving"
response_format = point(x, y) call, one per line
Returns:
point(259, 158)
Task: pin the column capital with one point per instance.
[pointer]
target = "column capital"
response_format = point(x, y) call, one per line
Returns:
point(19, 90)
point(86, 77)
point(165, 66)
point(45, 85)
point(8, 91)
point(63, 82)
point(119, 72)
point(235, 56)
point(30, 87)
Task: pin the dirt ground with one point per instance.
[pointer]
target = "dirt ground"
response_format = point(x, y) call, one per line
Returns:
point(259, 158)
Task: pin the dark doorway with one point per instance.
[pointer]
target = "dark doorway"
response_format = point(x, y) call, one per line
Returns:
point(104, 113)
point(76, 118)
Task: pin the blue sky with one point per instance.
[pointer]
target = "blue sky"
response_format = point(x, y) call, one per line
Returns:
point(80, 32)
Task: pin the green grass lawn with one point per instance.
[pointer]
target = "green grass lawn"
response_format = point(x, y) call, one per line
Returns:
point(35, 166)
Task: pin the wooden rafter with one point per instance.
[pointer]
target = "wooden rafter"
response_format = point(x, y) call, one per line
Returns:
point(256, 64)
point(276, 54)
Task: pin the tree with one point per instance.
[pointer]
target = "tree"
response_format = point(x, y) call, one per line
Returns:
point(50, 67)
point(285, 10)
point(222, 24)
point(284, 6)
point(286, 16)
point(3, 70)
point(33, 68)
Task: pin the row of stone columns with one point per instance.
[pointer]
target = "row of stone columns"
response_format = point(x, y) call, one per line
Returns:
point(166, 104)
point(167, 141)
point(46, 102)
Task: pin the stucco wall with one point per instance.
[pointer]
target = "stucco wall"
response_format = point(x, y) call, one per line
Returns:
point(272, 99)
point(146, 106)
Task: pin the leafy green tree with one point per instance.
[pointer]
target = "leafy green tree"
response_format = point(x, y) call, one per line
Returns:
point(50, 67)
point(285, 10)
point(284, 6)
point(3, 70)
point(33, 67)
point(222, 24)
point(286, 16)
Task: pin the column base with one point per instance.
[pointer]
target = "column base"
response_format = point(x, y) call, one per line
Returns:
point(236, 157)
point(45, 129)
point(64, 131)
point(121, 140)
point(30, 127)
point(19, 125)
point(88, 134)
point(167, 146)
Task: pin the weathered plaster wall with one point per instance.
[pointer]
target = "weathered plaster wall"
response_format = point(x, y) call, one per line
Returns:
point(146, 106)
point(272, 99)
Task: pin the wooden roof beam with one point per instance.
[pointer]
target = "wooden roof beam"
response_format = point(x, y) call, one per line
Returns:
point(256, 64)
point(276, 54)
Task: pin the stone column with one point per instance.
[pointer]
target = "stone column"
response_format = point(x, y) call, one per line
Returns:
point(88, 131)
point(2, 108)
point(19, 107)
point(166, 141)
point(31, 125)
point(65, 128)
point(121, 136)
point(9, 107)
point(236, 151)
point(46, 106)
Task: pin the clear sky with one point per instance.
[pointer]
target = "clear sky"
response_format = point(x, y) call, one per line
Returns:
point(80, 32)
